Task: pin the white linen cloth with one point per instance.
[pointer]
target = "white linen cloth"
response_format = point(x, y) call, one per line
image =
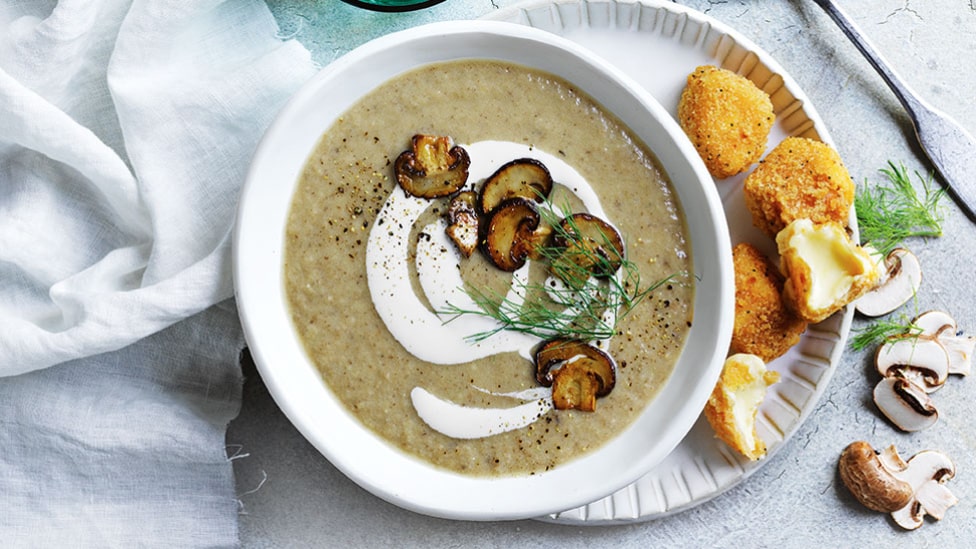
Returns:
point(126, 128)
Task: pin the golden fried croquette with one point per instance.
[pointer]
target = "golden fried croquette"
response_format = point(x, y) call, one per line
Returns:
point(727, 118)
point(824, 269)
point(732, 407)
point(764, 326)
point(799, 179)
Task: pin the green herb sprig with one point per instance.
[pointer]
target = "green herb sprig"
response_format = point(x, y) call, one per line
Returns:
point(891, 212)
point(597, 304)
point(877, 332)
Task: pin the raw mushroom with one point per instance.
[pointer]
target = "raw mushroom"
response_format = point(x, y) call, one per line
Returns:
point(941, 327)
point(514, 233)
point(433, 167)
point(898, 283)
point(883, 481)
point(921, 360)
point(524, 177)
point(927, 472)
point(905, 404)
point(870, 476)
point(578, 373)
point(464, 221)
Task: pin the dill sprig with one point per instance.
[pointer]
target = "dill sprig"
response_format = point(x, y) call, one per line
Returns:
point(588, 308)
point(880, 330)
point(889, 213)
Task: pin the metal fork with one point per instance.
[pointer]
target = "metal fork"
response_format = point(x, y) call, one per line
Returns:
point(950, 148)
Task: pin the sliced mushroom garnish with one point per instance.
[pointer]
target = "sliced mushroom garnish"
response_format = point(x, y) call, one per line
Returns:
point(898, 282)
point(927, 472)
point(883, 481)
point(463, 222)
point(514, 233)
point(578, 373)
point(942, 327)
point(524, 177)
point(921, 360)
point(590, 246)
point(433, 167)
point(870, 476)
point(905, 404)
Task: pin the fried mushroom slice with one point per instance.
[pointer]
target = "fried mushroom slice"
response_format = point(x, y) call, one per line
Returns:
point(800, 179)
point(578, 373)
point(514, 233)
point(524, 177)
point(727, 117)
point(463, 222)
point(590, 246)
point(433, 167)
point(764, 326)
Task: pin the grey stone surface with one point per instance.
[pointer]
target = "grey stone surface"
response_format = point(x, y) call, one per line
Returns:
point(291, 496)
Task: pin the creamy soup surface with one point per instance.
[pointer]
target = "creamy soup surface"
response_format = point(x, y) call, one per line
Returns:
point(342, 215)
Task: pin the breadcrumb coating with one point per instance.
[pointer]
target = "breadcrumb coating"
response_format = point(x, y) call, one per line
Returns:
point(799, 179)
point(727, 118)
point(764, 326)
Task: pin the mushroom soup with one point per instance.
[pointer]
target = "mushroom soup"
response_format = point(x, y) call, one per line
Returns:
point(386, 305)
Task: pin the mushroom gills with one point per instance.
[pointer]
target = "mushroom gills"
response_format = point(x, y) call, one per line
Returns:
point(905, 404)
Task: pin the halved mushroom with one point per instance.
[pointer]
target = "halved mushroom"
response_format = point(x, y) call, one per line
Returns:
point(905, 404)
point(927, 472)
point(883, 481)
point(464, 222)
point(921, 360)
point(524, 177)
point(898, 282)
point(590, 246)
point(514, 233)
point(941, 327)
point(433, 167)
point(870, 476)
point(578, 373)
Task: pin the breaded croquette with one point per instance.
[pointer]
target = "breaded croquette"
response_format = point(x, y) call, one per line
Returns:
point(824, 270)
point(799, 179)
point(764, 326)
point(727, 118)
point(731, 410)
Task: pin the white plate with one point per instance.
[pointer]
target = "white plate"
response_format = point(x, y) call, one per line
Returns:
point(658, 44)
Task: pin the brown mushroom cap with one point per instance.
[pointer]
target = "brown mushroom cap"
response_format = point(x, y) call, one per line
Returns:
point(513, 233)
point(870, 481)
point(432, 168)
point(523, 177)
point(590, 246)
